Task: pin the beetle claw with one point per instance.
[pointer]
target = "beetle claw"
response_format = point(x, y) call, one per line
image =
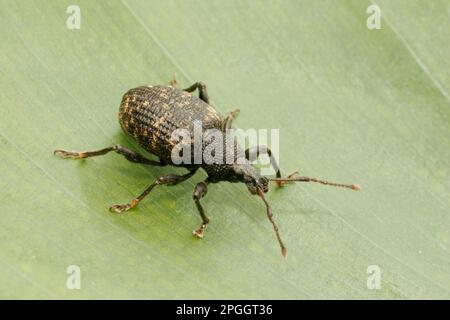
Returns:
point(281, 183)
point(200, 232)
point(69, 154)
point(120, 208)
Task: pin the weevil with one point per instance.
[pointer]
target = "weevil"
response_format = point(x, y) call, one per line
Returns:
point(150, 115)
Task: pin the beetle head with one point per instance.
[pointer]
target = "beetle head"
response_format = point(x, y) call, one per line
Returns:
point(252, 179)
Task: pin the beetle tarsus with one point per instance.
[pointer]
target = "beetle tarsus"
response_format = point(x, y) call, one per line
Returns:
point(290, 176)
point(200, 232)
point(174, 82)
point(120, 208)
point(65, 154)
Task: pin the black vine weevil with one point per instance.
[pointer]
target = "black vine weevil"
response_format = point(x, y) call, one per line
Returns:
point(151, 114)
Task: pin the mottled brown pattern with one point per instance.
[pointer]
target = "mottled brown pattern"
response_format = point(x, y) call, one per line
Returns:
point(151, 113)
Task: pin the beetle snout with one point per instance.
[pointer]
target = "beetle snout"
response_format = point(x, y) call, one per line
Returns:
point(261, 184)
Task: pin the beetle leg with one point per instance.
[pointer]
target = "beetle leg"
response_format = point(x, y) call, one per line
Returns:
point(127, 153)
point(169, 179)
point(174, 82)
point(289, 176)
point(200, 190)
point(229, 118)
point(202, 92)
point(253, 153)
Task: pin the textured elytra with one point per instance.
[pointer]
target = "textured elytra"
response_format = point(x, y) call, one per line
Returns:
point(150, 114)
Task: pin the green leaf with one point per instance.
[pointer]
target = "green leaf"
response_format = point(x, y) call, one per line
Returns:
point(352, 105)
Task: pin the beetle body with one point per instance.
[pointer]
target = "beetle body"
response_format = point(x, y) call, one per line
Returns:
point(151, 114)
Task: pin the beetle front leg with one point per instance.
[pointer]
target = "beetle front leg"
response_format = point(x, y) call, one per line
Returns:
point(169, 179)
point(253, 153)
point(200, 190)
point(202, 92)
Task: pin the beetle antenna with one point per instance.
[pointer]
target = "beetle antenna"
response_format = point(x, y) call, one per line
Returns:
point(275, 227)
point(308, 179)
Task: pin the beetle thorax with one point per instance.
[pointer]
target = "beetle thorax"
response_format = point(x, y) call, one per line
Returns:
point(221, 162)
